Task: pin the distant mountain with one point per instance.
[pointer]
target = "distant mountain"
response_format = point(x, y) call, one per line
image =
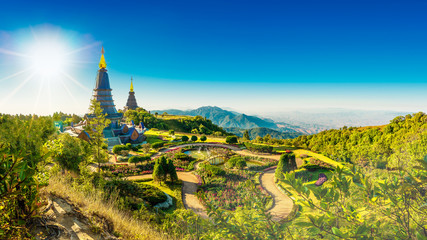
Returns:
point(224, 118)
point(254, 132)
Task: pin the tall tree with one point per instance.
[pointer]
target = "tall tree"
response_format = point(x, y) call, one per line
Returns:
point(158, 172)
point(96, 131)
point(172, 171)
point(246, 135)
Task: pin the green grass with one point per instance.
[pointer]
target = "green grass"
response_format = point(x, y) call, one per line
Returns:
point(153, 139)
point(169, 117)
point(322, 158)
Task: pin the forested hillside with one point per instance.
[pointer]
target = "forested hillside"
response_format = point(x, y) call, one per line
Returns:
point(402, 141)
point(262, 132)
point(195, 124)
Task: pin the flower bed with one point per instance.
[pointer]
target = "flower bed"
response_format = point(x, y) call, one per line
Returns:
point(228, 191)
point(129, 170)
point(125, 170)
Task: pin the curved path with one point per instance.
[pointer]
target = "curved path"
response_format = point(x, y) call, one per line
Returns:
point(282, 204)
point(189, 187)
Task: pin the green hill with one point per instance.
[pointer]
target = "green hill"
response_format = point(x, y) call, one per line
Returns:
point(401, 142)
point(187, 124)
point(224, 118)
point(261, 132)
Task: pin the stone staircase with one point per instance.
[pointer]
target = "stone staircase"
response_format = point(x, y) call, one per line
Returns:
point(112, 141)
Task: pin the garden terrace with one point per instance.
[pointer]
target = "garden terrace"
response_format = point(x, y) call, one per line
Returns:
point(227, 189)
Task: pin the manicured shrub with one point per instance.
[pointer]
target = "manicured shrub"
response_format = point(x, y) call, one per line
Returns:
point(129, 146)
point(203, 138)
point(259, 148)
point(181, 156)
point(184, 138)
point(236, 162)
point(118, 148)
point(193, 138)
point(133, 159)
point(286, 163)
point(231, 139)
point(124, 153)
point(240, 164)
point(157, 145)
point(171, 132)
point(212, 170)
point(138, 159)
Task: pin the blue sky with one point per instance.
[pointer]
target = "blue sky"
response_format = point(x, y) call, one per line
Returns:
point(252, 56)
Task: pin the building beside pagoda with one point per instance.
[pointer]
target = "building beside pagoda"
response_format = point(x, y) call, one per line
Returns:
point(131, 102)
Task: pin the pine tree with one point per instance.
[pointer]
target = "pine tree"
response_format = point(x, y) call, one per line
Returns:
point(246, 135)
point(172, 171)
point(96, 131)
point(158, 172)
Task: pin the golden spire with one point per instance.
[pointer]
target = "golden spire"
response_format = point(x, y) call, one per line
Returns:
point(102, 63)
point(131, 84)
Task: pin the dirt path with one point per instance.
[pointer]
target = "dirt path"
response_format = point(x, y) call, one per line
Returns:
point(282, 204)
point(189, 188)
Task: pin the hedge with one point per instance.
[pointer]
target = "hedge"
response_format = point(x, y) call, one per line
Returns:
point(259, 148)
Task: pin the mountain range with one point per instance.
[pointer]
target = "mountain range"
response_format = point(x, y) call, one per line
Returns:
point(236, 123)
point(288, 124)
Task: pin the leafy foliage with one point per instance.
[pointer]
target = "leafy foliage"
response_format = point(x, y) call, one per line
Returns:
point(96, 131)
point(399, 144)
point(286, 164)
point(259, 148)
point(231, 139)
point(354, 204)
point(68, 151)
point(238, 162)
point(21, 143)
point(164, 169)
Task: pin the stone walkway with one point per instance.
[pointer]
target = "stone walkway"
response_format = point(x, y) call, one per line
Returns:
point(282, 204)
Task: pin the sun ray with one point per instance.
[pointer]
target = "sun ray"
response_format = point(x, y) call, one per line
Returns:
point(49, 95)
point(12, 53)
point(16, 89)
point(84, 48)
point(15, 74)
point(76, 82)
point(38, 95)
point(69, 92)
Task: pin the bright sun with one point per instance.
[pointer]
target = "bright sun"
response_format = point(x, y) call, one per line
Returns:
point(48, 58)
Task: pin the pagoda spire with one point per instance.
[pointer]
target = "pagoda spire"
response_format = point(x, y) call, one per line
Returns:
point(131, 84)
point(102, 63)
